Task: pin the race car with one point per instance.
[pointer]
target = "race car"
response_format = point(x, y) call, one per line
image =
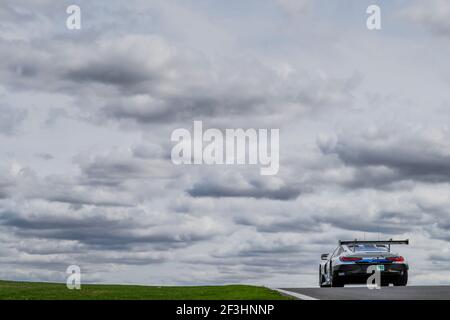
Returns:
point(349, 262)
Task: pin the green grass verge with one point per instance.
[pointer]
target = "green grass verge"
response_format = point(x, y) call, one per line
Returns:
point(10, 290)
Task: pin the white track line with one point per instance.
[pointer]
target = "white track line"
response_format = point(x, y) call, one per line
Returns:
point(296, 295)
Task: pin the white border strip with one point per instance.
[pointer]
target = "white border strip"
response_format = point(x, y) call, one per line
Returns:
point(295, 294)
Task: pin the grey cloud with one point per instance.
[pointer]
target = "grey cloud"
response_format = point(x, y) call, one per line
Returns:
point(56, 257)
point(439, 227)
point(45, 156)
point(372, 225)
point(442, 257)
point(146, 79)
point(112, 73)
point(18, 19)
point(150, 151)
point(392, 156)
point(10, 119)
point(50, 222)
point(49, 247)
point(260, 255)
point(125, 258)
point(7, 185)
point(280, 223)
point(99, 232)
point(65, 189)
point(433, 14)
point(111, 180)
point(295, 8)
point(116, 169)
point(77, 199)
point(4, 190)
point(185, 107)
point(206, 189)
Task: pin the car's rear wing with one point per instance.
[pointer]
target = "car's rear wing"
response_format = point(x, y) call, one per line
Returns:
point(388, 242)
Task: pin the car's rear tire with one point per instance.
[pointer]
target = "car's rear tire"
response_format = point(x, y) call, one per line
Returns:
point(402, 280)
point(336, 282)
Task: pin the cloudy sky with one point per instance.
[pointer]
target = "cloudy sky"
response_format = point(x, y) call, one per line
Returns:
point(86, 117)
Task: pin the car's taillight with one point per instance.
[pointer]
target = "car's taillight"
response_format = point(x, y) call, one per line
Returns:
point(396, 259)
point(349, 259)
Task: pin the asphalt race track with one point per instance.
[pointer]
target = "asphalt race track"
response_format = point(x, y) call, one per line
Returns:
point(363, 293)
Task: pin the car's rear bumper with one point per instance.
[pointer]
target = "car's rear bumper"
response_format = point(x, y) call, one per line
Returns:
point(357, 273)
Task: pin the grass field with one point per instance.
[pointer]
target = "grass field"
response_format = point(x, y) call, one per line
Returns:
point(51, 291)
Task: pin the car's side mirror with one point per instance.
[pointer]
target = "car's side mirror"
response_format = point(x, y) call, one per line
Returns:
point(324, 256)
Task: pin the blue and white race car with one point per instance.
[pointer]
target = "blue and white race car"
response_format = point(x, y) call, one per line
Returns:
point(349, 262)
